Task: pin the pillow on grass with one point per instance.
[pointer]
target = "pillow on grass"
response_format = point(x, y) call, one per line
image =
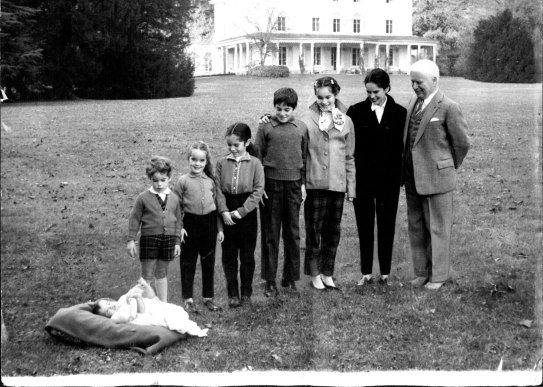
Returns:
point(78, 325)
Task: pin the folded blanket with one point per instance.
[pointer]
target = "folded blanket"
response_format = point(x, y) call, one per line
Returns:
point(77, 324)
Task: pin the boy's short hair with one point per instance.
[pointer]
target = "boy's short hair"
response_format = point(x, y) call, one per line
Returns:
point(159, 164)
point(287, 96)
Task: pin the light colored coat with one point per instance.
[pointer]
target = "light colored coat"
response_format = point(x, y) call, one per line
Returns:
point(330, 157)
point(440, 145)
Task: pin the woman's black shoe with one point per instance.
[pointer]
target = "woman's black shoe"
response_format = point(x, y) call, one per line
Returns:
point(270, 290)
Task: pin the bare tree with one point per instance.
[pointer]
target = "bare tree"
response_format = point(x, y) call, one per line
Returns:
point(261, 31)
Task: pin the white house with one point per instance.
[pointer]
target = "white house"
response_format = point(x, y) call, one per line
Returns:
point(330, 36)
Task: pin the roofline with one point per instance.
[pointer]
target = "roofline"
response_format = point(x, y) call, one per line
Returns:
point(334, 38)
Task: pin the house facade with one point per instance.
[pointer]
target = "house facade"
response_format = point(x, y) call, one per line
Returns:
point(313, 36)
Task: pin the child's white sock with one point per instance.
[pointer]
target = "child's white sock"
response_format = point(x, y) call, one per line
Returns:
point(161, 285)
point(327, 280)
point(317, 282)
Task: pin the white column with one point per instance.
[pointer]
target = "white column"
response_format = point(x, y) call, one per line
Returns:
point(377, 62)
point(247, 57)
point(387, 53)
point(338, 58)
point(223, 60)
point(235, 58)
point(362, 61)
point(418, 51)
point(434, 53)
point(311, 57)
point(276, 58)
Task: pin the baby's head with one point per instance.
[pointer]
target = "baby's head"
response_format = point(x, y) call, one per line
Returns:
point(105, 307)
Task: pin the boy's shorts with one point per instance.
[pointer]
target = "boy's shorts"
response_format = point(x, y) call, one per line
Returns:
point(157, 247)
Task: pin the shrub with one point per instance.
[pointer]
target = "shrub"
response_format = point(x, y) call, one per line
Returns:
point(269, 71)
point(502, 51)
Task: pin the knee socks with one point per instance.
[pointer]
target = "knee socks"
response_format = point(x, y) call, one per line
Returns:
point(161, 286)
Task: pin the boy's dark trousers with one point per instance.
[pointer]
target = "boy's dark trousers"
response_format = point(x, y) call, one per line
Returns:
point(281, 209)
point(201, 239)
point(239, 239)
point(382, 201)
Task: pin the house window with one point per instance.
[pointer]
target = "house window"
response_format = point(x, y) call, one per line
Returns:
point(356, 26)
point(281, 23)
point(389, 27)
point(356, 57)
point(389, 1)
point(356, 1)
point(317, 56)
point(208, 63)
point(316, 24)
point(336, 25)
point(282, 56)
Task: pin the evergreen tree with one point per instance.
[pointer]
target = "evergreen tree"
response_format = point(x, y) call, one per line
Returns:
point(502, 51)
point(21, 58)
point(117, 49)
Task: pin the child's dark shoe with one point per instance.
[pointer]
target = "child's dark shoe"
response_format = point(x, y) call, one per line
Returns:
point(288, 284)
point(190, 307)
point(211, 305)
point(234, 302)
point(245, 300)
point(271, 290)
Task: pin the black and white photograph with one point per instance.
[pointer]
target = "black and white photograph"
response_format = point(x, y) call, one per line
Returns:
point(271, 192)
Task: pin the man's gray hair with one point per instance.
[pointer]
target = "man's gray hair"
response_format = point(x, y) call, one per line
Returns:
point(427, 67)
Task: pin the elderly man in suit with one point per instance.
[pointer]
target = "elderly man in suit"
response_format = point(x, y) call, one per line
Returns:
point(435, 143)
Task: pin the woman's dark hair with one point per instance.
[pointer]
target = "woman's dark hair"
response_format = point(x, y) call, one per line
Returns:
point(379, 77)
point(243, 132)
point(327, 82)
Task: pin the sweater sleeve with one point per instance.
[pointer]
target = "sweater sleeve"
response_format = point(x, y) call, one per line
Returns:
point(305, 141)
point(260, 142)
point(134, 220)
point(350, 167)
point(252, 201)
point(178, 223)
point(220, 200)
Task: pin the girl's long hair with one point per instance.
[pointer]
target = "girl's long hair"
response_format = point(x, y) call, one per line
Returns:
point(200, 145)
point(243, 131)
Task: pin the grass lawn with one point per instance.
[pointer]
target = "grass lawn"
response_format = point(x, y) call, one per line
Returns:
point(71, 171)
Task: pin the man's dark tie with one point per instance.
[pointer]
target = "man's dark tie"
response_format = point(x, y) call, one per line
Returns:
point(418, 106)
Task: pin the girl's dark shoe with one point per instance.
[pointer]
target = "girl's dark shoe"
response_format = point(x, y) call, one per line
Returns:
point(234, 302)
point(288, 284)
point(211, 306)
point(271, 290)
point(245, 300)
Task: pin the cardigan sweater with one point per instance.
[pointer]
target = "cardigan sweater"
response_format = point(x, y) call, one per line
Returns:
point(379, 146)
point(282, 149)
point(196, 193)
point(240, 177)
point(148, 216)
point(330, 157)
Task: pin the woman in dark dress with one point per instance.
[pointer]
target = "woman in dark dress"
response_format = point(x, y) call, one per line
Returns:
point(379, 124)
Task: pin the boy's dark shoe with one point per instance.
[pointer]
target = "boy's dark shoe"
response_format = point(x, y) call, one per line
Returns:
point(288, 284)
point(234, 302)
point(211, 306)
point(245, 300)
point(190, 307)
point(271, 290)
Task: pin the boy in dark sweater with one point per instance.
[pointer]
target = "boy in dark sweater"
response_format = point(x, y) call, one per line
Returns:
point(281, 146)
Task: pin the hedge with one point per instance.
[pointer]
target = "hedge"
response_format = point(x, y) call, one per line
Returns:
point(269, 71)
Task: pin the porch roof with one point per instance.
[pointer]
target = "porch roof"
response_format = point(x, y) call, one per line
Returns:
point(331, 38)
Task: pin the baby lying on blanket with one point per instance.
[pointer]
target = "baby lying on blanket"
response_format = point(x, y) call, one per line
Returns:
point(141, 306)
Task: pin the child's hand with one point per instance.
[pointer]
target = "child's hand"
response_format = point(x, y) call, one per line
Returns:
point(177, 251)
point(183, 235)
point(264, 196)
point(304, 193)
point(235, 214)
point(350, 199)
point(220, 236)
point(265, 119)
point(227, 218)
point(131, 249)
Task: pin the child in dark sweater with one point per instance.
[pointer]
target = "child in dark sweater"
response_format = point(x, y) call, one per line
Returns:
point(157, 214)
point(281, 145)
